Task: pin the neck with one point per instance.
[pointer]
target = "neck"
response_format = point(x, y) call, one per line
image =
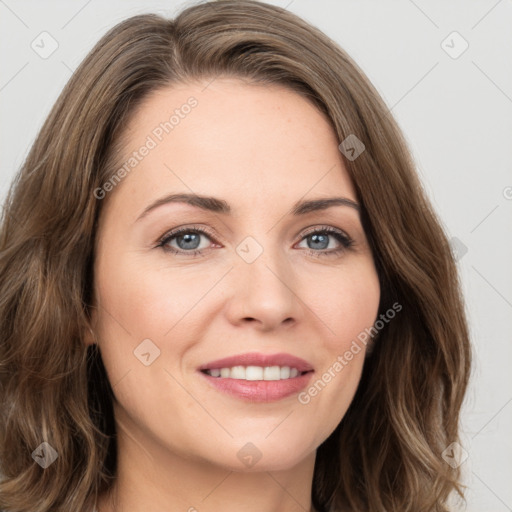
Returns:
point(152, 478)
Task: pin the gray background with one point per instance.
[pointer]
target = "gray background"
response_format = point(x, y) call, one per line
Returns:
point(456, 114)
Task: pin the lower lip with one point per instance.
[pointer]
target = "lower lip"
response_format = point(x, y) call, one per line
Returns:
point(260, 390)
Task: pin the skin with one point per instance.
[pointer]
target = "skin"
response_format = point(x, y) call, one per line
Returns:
point(261, 149)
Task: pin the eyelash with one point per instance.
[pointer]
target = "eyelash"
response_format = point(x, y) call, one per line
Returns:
point(345, 241)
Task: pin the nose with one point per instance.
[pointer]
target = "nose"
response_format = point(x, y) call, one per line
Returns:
point(262, 293)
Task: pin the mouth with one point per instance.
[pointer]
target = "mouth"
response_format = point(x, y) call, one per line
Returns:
point(258, 377)
point(252, 373)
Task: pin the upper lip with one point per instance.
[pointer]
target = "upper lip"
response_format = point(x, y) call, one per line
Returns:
point(256, 359)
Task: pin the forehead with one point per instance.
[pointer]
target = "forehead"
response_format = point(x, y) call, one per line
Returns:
point(252, 144)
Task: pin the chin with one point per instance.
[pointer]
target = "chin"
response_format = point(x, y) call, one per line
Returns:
point(254, 457)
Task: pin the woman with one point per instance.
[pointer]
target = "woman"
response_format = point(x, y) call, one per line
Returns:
point(222, 285)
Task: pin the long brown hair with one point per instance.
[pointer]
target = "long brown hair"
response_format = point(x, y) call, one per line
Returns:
point(386, 452)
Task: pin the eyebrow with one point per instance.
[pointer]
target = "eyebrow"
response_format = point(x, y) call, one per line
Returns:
point(216, 205)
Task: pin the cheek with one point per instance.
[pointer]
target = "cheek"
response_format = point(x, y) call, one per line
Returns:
point(350, 304)
point(349, 308)
point(147, 302)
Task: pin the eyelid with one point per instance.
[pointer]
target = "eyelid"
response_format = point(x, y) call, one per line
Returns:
point(320, 227)
point(208, 231)
point(187, 227)
point(346, 240)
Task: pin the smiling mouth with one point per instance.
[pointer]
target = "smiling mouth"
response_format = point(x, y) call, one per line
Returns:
point(255, 373)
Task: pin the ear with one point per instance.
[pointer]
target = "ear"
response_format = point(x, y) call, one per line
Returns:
point(371, 344)
point(88, 335)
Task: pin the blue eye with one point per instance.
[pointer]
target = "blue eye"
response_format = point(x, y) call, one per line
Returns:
point(320, 240)
point(188, 241)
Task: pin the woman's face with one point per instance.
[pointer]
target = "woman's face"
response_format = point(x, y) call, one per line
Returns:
point(247, 278)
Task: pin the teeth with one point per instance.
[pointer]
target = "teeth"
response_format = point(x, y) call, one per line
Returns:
point(271, 373)
point(252, 373)
point(238, 372)
point(255, 372)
